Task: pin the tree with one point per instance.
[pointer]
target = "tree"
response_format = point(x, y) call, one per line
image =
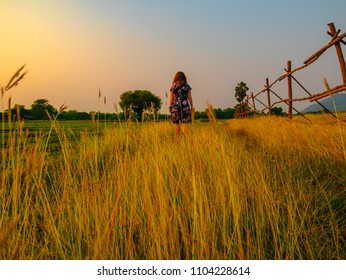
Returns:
point(277, 111)
point(201, 115)
point(229, 113)
point(240, 91)
point(19, 109)
point(139, 101)
point(40, 107)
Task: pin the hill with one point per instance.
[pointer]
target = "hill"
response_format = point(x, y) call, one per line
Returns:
point(340, 101)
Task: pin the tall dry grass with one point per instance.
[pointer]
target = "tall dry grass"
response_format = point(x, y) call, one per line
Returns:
point(263, 188)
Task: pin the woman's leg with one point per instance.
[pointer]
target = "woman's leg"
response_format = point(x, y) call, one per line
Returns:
point(177, 129)
point(184, 127)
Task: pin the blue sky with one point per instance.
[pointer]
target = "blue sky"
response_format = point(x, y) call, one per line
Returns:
point(74, 47)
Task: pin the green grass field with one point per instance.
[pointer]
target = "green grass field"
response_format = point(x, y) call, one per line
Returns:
point(43, 128)
point(260, 188)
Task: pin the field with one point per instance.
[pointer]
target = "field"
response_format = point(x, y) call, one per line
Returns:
point(259, 188)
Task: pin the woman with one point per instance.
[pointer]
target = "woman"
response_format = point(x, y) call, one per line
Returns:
point(181, 104)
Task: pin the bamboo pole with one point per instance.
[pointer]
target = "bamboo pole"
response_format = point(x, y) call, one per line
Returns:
point(324, 107)
point(342, 41)
point(268, 95)
point(316, 55)
point(328, 92)
point(314, 97)
point(289, 83)
point(253, 109)
point(247, 106)
point(253, 102)
point(339, 53)
point(287, 102)
point(261, 103)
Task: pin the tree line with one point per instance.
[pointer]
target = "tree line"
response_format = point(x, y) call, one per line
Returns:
point(140, 105)
point(41, 108)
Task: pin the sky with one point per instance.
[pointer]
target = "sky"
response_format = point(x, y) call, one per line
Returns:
point(73, 48)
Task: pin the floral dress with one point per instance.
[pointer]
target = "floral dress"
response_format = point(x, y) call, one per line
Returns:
point(181, 111)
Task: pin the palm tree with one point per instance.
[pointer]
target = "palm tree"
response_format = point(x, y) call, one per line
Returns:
point(240, 91)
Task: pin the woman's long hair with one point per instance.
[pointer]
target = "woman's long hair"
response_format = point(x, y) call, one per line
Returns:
point(179, 78)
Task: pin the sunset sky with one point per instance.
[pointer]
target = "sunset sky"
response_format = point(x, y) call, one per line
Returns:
point(74, 47)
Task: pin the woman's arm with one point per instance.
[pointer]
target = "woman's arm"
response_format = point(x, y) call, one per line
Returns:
point(171, 98)
point(189, 96)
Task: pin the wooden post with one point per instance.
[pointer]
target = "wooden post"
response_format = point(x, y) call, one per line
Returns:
point(339, 53)
point(268, 95)
point(289, 81)
point(253, 102)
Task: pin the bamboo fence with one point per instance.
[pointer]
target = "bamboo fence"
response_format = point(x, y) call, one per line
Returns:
point(336, 41)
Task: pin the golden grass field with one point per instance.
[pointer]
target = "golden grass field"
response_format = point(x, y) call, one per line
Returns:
point(258, 188)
